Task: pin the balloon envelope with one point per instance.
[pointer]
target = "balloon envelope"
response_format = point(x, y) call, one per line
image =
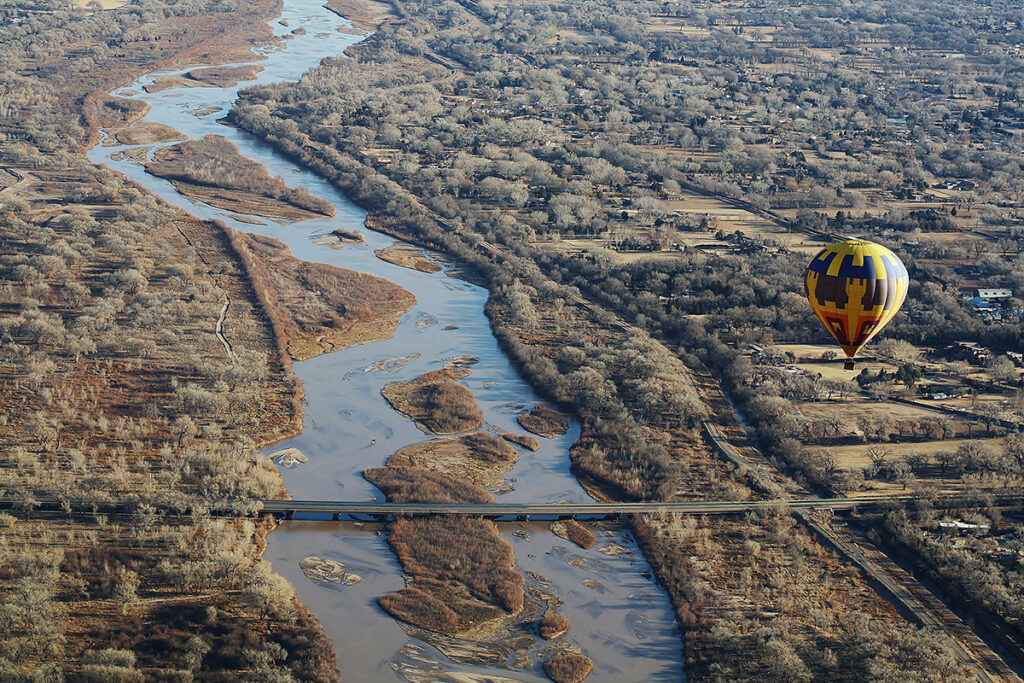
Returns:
point(855, 288)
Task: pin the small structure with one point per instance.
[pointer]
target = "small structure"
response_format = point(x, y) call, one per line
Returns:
point(963, 527)
point(994, 294)
point(972, 352)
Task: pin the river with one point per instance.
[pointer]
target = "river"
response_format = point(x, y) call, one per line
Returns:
point(621, 618)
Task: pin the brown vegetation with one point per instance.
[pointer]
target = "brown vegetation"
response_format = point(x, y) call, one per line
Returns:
point(214, 76)
point(544, 421)
point(368, 15)
point(213, 170)
point(574, 531)
point(146, 133)
point(225, 76)
point(525, 440)
point(458, 562)
point(414, 484)
point(115, 382)
point(480, 457)
point(568, 667)
point(408, 257)
point(462, 573)
point(348, 235)
point(114, 112)
point(318, 308)
point(761, 598)
point(437, 401)
point(608, 160)
point(553, 625)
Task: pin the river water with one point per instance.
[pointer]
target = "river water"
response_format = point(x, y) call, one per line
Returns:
point(620, 617)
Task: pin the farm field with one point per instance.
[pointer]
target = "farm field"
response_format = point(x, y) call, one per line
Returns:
point(857, 456)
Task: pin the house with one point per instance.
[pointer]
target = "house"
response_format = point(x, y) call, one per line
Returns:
point(963, 527)
point(994, 294)
point(972, 352)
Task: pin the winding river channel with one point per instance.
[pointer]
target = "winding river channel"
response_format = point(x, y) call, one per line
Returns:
point(621, 618)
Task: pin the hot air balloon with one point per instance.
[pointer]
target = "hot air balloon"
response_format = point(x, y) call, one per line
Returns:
point(855, 287)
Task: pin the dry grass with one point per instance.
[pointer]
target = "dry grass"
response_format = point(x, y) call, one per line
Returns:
point(524, 440)
point(147, 133)
point(738, 585)
point(408, 257)
point(459, 563)
point(437, 401)
point(544, 421)
point(365, 14)
point(480, 458)
point(414, 484)
point(855, 456)
point(214, 171)
point(574, 531)
point(568, 667)
point(851, 410)
point(553, 625)
point(422, 609)
point(317, 307)
point(103, 4)
point(225, 76)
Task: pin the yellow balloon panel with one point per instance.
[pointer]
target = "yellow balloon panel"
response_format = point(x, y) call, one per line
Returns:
point(855, 288)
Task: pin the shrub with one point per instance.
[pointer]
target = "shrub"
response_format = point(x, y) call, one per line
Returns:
point(420, 609)
point(552, 625)
point(568, 667)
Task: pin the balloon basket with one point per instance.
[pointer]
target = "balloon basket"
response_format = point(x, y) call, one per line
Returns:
point(848, 365)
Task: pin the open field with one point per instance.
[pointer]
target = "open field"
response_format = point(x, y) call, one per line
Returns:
point(724, 216)
point(856, 455)
point(604, 248)
point(853, 409)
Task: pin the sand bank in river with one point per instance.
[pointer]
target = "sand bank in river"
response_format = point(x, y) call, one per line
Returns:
point(544, 421)
point(214, 76)
point(147, 133)
point(408, 256)
point(368, 15)
point(437, 401)
point(214, 171)
point(319, 308)
point(480, 458)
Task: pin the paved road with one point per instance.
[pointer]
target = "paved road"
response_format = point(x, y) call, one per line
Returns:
point(496, 510)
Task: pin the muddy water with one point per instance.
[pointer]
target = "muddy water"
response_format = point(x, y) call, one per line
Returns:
point(625, 624)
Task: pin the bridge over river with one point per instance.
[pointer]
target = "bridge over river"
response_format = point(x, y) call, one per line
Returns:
point(361, 510)
point(523, 511)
